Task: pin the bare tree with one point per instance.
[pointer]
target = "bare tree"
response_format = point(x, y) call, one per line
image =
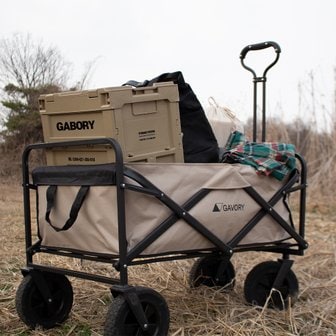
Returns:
point(86, 76)
point(27, 70)
point(28, 64)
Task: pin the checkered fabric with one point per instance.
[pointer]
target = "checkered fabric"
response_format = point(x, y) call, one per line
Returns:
point(268, 158)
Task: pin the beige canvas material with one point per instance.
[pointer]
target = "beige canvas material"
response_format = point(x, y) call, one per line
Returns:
point(180, 182)
point(224, 211)
point(95, 229)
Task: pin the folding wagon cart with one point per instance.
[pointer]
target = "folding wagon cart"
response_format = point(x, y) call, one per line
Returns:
point(131, 213)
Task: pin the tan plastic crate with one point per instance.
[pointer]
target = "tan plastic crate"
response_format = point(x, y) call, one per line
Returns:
point(145, 121)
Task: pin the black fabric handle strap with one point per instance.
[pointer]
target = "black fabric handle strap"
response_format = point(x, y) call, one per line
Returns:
point(76, 205)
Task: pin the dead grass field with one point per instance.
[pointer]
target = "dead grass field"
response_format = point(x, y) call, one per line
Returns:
point(201, 311)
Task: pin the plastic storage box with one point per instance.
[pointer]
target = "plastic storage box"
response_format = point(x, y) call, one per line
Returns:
point(145, 121)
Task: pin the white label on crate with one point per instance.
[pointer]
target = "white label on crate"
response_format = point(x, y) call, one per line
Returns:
point(75, 125)
point(81, 159)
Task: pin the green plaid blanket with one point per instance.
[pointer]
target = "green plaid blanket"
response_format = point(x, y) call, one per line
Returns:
point(268, 158)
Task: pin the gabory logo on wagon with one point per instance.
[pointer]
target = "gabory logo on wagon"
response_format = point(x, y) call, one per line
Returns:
point(224, 207)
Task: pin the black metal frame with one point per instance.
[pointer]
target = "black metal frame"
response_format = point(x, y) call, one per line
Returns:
point(297, 182)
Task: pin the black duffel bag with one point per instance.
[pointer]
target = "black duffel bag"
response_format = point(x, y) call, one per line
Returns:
point(199, 142)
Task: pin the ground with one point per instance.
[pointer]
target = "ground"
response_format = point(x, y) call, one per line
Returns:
point(201, 311)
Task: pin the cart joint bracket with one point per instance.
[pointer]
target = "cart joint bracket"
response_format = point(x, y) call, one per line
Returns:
point(132, 298)
point(259, 79)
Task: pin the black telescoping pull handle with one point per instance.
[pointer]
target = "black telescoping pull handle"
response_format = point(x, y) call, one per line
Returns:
point(262, 79)
point(260, 46)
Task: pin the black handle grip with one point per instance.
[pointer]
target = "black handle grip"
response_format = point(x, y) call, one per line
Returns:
point(259, 46)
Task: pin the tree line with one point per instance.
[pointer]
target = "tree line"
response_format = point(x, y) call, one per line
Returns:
point(29, 68)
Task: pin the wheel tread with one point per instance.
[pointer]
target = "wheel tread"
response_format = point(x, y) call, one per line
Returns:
point(119, 307)
point(256, 277)
point(24, 307)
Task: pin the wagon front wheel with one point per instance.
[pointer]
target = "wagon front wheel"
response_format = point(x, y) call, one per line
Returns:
point(33, 308)
point(259, 282)
point(120, 320)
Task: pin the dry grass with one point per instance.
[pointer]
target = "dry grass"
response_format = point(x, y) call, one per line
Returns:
point(201, 311)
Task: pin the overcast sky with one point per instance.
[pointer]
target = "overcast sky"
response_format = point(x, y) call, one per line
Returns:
point(141, 39)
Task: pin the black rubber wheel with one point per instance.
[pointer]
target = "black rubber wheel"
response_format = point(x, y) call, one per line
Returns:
point(34, 311)
point(258, 286)
point(120, 321)
point(204, 272)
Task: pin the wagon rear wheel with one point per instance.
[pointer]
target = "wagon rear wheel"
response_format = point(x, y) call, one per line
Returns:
point(259, 282)
point(209, 271)
point(120, 320)
point(34, 310)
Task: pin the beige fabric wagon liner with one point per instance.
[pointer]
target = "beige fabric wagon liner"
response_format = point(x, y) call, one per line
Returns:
point(224, 211)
